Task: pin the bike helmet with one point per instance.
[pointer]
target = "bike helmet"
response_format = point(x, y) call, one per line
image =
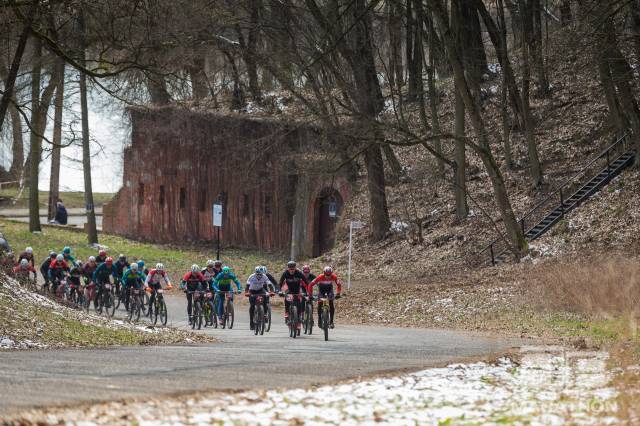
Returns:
point(24, 263)
point(59, 258)
point(102, 253)
point(291, 264)
point(29, 250)
point(159, 267)
point(66, 250)
point(263, 270)
point(53, 255)
point(306, 269)
point(195, 268)
point(210, 263)
point(134, 266)
point(109, 260)
point(328, 270)
point(122, 257)
point(10, 255)
point(217, 263)
point(226, 270)
point(141, 264)
point(92, 258)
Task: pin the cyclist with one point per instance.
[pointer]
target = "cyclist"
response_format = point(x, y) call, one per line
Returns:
point(257, 284)
point(214, 267)
point(23, 270)
point(66, 253)
point(294, 283)
point(102, 256)
point(144, 271)
point(132, 278)
point(44, 268)
point(75, 278)
point(223, 282)
point(306, 271)
point(121, 266)
point(101, 276)
point(153, 282)
point(28, 254)
point(271, 278)
point(89, 268)
point(8, 263)
point(325, 283)
point(191, 282)
point(58, 269)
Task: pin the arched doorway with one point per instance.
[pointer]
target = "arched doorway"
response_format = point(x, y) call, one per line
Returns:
point(327, 209)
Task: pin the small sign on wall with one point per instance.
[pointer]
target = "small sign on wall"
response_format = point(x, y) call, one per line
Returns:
point(217, 215)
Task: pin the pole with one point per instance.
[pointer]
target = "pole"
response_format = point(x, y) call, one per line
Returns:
point(350, 242)
point(218, 245)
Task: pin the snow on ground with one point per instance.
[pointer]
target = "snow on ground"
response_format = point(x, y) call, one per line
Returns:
point(546, 386)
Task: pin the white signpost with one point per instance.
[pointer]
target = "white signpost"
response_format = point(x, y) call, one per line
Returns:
point(354, 224)
point(217, 222)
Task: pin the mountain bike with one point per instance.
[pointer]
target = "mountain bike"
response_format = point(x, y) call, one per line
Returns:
point(159, 308)
point(228, 313)
point(197, 314)
point(259, 314)
point(267, 314)
point(135, 304)
point(294, 318)
point(307, 321)
point(105, 300)
point(209, 311)
point(325, 315)
point(89, 296)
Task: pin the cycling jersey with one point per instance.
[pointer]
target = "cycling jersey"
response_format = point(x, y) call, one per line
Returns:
point(102, 272)
point(296, 283)
point(121, 267)
point(101, 259)
point(69, 259)
point(154, 277)
point(257, 282)
point(132, 277)
point(18, 269)
point(29, 257)
point(224, 281)
point(88, 269)
point(325, 283)
point(193, 280)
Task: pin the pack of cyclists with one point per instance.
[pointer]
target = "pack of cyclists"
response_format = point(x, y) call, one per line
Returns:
point(102, 269)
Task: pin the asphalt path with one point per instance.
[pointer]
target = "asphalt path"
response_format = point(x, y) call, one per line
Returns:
point(240, 361)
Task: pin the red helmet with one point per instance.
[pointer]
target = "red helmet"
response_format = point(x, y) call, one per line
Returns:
point(306, 269)
point(102, 253)
point(109, 260)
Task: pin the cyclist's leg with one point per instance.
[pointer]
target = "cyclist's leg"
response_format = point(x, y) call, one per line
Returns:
point(287, 304)
point(252, 308)
point(219, 305)
point(331, 310)
point(189, 303)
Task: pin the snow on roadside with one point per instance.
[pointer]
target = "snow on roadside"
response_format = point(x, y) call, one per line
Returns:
point(547, 386)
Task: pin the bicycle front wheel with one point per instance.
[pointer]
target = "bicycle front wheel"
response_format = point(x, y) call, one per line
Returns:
point(230, 315)
point(325, 322)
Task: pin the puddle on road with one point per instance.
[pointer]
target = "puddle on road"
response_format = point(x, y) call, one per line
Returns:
point(545, 386)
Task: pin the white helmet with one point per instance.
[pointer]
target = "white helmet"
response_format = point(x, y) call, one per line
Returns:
point(134, 266)
point(159, 266)
point(29, 250)
point(92, 258)
point(24, 263)
point(261, 270)
point(59, 258)
point(210, 262)
point(328, 270)
point(195, 268)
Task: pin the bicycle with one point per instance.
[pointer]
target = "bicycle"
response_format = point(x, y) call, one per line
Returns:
point(294, 317)
point(159, 308)
point(325, 315)
point(307, 321)
point(89, 296)
point(228, 313)
point(135, 304)
point(210, 317)
point(267, 314)
point(105, 300)
point(196, 318)
point(259, 314)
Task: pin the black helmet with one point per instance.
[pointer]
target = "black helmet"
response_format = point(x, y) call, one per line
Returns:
point(291, 264)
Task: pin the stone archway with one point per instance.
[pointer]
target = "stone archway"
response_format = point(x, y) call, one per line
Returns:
point(327, 209)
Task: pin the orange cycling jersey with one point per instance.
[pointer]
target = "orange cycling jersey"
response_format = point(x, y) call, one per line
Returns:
point(323, 279)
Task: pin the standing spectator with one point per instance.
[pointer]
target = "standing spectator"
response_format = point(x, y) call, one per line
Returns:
point(61, 214)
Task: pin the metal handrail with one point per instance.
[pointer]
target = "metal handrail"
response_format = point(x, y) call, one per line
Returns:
point(566, 183)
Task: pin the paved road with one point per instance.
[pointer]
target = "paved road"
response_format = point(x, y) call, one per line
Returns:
point(241, 361)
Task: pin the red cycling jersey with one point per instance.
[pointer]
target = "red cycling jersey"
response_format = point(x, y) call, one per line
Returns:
point(59, 265)
point(19, 268)
point(323, 279)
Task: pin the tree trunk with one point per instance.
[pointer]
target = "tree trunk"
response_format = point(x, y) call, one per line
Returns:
point(394, 164)
point(237, 100)
point(535, 168)
point(10, 81)
point(473, 47)
point(433, 100)
point(460, 179)
point(396, 77)
point(414, 62)
point(379, 211)
point(635, 25)
point(515, 235)
point(54, 181)
point(534, 12)
point(158, 92)
point(565, 13)
point(516, 22)
point(35, 148)
point(92, 232)
point(506, 126)
point(199, 85)
point(17, 144)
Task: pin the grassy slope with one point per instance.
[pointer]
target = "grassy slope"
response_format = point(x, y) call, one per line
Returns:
point(70, 199)
point(177, 260)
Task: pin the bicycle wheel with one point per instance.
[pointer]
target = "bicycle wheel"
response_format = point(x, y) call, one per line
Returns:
point(110, 306)
point(293, 320)
point(144, 303)
point(163, 312)
point(267, 318)
point(130, 314)
point(200, 315)
point(257, 320)
point(117, 297)
point(230, 315)
point(325, 322)
point(137, 307)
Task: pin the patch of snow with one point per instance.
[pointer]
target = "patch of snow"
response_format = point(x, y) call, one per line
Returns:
point(494, 68)
point(399, 226)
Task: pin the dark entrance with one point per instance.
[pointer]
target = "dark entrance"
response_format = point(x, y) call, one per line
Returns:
point(328, 207)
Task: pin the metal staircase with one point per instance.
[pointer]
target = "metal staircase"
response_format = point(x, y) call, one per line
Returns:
point(588, 181)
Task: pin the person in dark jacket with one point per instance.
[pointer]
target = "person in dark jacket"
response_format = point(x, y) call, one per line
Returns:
point(61, 213)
